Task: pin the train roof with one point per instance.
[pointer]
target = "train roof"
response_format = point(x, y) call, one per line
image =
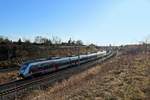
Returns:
point(50, 61)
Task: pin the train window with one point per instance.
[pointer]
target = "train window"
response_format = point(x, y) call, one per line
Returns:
point(83, 59)
point(43, 65)
point(65, 62)
point(24, 67)
point(46, 65)
point(33, 68)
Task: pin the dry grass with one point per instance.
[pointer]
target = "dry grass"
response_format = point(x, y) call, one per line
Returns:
point(125, 77)
point(8, 76)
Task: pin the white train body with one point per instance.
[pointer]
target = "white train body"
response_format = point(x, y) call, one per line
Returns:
point(47, 66)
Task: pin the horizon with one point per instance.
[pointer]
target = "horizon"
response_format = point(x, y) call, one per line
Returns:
point(99, 22)
point(33, 41)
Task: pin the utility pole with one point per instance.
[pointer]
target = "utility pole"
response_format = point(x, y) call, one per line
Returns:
point(78, 56)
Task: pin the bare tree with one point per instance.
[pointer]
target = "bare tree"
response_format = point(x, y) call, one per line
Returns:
point(4, 40)
point(38, 39)
point(146, 44)
point(69, 41)
point(146, 48)
point(19, 41)
point(42, 40)
point(56, 40)
point(79, 42)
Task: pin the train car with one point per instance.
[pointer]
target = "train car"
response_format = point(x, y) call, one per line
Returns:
point(42, 67)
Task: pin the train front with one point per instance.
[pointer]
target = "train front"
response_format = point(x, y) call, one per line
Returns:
point(23, 71)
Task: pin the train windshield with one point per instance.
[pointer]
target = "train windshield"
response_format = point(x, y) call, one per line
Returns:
point(24, 66)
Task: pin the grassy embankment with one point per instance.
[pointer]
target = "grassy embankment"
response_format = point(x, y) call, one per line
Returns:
point(126, 77)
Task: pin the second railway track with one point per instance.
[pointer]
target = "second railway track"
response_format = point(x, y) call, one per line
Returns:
point(3, 70)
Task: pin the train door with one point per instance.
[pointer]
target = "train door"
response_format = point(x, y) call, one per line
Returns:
point(55, 65)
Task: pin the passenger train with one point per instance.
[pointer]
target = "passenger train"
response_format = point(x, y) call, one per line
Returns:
point(30, 69)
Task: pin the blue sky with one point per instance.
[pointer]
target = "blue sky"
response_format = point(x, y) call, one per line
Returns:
point(94, 21)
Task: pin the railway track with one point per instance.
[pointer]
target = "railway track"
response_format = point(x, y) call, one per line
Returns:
point(2, 70)
point(20, 86)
